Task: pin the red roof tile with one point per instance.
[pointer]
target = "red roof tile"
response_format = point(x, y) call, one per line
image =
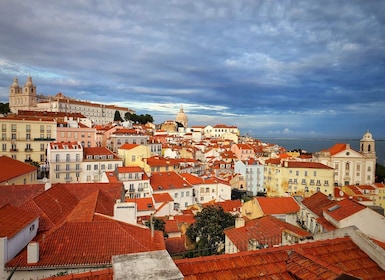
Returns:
point(342, 209)
point(13, 220)
point(168, 181)
point(12, 168)
point(317, 202)
point(267, 230)
point(142, 204)
point(312, 260)
point(91, 243)
point(339, 147)
point(162, 197)
point(19, 194)
point(278, 205)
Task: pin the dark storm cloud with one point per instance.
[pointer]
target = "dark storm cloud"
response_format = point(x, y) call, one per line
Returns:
point(270, 67)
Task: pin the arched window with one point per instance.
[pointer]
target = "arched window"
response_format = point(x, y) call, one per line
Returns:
point(369, 148)
point(347, 165)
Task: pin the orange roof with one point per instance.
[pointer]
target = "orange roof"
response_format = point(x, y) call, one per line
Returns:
point(168, 181)
point(79, 244)
point(343, 209)
point(13, 220)
point(12, 168)
point(312, 260)
point(339, 147)
point(277, 205)
point(128, 146)
point(130, 169)
point(69, 144)
point(317, 202)
point(19, 194)
point(162, 197)
point(171, 226)
point(306, 164)
point(142, 204)
point(227, 205)
point(267, 230)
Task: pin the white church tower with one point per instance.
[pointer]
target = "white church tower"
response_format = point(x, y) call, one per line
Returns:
point(22, 98)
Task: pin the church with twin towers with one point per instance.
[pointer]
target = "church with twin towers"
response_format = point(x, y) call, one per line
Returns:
point(26, 98)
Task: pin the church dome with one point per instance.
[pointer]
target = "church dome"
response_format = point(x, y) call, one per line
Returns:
point(181, 117)
point(29, 82)
point(15, 83)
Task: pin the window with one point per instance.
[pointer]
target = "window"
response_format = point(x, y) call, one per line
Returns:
point(4, 147)
point(176, 195)
point(28, 128)
point(133, 158)
point(13, 127)
point(42, 147)
point(28, 136)
point(67, 167)
point(88, 166)
point(297, 173)
point(95, 167)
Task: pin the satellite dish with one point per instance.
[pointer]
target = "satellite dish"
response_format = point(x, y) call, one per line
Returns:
point(341, 193)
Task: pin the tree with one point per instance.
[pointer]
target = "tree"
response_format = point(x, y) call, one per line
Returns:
point(207, 232)
point(142, 119)
point(117, 117)
point(4, 108)
point(158, 224)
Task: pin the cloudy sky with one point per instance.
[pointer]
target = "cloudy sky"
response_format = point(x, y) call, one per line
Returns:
point(272, 68)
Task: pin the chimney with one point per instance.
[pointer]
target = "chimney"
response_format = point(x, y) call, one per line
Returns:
point(33, 252)
point(239, 222)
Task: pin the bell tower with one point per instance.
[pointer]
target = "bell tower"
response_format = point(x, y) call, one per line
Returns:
point(367, 145)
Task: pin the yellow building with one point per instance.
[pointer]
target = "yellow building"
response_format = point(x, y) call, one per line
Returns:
point(133, 155)
point(26, 138)
point(298, 178)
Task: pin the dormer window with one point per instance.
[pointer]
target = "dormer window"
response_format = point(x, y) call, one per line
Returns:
point(89, 156)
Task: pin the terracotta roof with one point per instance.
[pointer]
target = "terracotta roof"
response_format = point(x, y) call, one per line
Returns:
point(227, 205)
point(160, 161)
point(168, 181)
point(343, 209)
point(327, 259)
point(162, 197)
point(267, 230)
point(317, 202)
point(142, 204)
point(12, 168)
point(128, 146)
point(130, 169)
point(52, 206)
point(306, 164)
point(171, 226)
point(91, 243)
point(62, 145)
point(13, 220)
point(277, 205)
point(339, 147)
point(176, 245)
point(19, 194)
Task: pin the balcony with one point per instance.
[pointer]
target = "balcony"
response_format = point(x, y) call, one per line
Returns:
point(28, 149)
point(13, 150)
point(131, 190)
